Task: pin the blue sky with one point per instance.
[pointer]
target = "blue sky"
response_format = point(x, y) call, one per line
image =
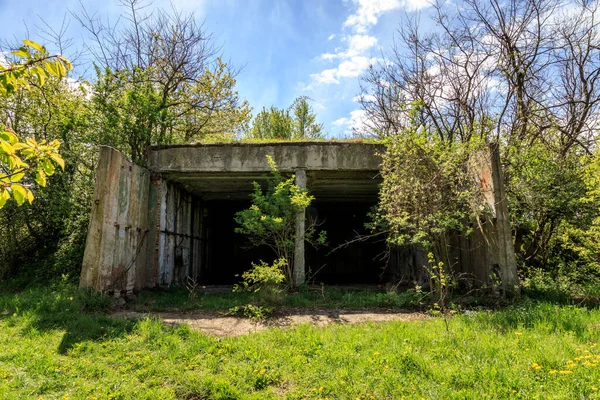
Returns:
point(317, 48)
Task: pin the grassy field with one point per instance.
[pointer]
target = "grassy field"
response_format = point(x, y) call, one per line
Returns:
point(52, 345)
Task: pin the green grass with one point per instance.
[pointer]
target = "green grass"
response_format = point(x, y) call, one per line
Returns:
point(49, 348)
point(326, 297)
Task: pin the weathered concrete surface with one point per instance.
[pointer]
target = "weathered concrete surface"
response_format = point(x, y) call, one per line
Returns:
point(497, 230)
point(116, 248)
point(299, 260)
point(179, 250)
point(251, 157)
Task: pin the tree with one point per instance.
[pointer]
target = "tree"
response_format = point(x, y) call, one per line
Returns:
point(272, 123)
point(429, 191)
point(298, 122)
point(25, 161)
point(271, 219)
point(523, 73)
point(305, 120)
point(160, 80)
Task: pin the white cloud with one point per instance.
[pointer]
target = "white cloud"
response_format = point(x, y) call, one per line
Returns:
point(368, 12)
point(357, 45)
point(353, 67)
point(352, 61)
point(341, 122)
point(415, 5)
point(326, 76)
point(364, 97)
point(331, 37)
point(350, 68)
point(356, 122)
point(329, 56)
point(360, 43)
point(319, 106)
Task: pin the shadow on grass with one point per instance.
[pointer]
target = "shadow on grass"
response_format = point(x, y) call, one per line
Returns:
point(62, 307)
point(223, 299)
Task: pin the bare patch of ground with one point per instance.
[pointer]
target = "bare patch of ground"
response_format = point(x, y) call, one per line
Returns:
point(223, 325)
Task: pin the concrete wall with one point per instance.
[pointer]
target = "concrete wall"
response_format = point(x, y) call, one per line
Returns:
point(179, 236)
point(116, 249)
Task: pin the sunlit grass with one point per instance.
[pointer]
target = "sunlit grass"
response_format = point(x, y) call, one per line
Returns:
point(50, 349)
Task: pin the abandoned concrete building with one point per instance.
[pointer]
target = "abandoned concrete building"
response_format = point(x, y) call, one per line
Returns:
point(174, 220)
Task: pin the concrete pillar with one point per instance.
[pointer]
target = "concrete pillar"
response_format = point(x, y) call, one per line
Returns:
point(299, 267)
point(503, 246)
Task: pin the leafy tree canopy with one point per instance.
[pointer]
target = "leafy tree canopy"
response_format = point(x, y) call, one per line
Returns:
point(23, 162)
point(299, 121)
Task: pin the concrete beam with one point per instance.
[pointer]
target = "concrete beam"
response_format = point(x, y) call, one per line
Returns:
point(251, 157)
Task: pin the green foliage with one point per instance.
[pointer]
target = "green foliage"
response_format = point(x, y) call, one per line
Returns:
point(271, 218)
point(323, 298)
point(428, 191)
point(554, 210)
point(272, 124)
point(264, 280)
point(305, 120)
point(441, 282)
point(33, 68)
point(252, 311)
point(46, 238)
point(134, 112)
point(298, 122)
point(23, 162)
point(265, 283)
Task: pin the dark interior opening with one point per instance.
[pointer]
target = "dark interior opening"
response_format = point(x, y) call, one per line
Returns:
point(357, 262)
point(228, 254)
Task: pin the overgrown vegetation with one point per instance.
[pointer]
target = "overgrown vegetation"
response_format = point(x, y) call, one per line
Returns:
point(271, 220)
point(156, 78)
point(429, 190)
point(522, 74)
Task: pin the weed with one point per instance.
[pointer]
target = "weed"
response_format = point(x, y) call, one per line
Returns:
point(251, 311)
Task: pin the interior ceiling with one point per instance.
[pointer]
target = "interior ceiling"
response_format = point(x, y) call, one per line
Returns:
point(350, 186)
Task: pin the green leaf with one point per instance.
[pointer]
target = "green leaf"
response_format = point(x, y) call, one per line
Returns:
point(9, 137)
point(41, 75)
point(34, 45)
point(4, 196)
point(61, 68)
point(40, 178)
point(29, 196)
point(48, 167)
point(58, 159)
point(19, 193)
point(50, 67)
point(6, 148)
point(22, 53)
point(17, 177)
point(67, 63)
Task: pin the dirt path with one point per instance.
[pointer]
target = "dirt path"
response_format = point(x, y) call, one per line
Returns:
point(220, 325)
